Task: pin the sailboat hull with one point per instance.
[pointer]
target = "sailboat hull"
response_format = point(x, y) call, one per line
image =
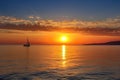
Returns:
point(26, 45)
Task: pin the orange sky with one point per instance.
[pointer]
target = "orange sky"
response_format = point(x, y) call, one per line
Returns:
point(45, 37)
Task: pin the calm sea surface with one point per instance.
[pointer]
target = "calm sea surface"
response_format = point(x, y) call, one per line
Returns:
point(59, 62)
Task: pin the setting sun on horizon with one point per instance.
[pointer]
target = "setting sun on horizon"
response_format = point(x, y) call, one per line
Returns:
point(64, 39)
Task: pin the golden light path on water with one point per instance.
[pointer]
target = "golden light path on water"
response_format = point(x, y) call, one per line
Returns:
point(63, 56)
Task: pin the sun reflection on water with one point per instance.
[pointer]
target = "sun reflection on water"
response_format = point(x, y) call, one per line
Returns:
point(63, 52)
point(63, 56)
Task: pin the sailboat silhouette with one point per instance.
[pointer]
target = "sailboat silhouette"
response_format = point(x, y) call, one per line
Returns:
point(27, 44)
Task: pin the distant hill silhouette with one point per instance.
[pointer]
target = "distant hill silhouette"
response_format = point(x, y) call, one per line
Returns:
point(106, 43)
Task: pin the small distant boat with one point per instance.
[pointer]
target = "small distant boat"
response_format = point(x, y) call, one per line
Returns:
point(27, 44)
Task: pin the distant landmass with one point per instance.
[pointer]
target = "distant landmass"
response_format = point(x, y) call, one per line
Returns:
point(106, 43)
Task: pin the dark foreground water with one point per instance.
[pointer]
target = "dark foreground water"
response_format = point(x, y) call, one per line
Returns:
point(51, 62)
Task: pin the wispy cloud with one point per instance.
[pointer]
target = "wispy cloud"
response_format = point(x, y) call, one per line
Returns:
point(11, 31)
point(109, 26)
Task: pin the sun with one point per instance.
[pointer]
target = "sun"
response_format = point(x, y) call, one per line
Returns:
point(64, 38)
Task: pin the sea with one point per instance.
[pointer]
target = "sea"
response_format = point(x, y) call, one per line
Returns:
point(60, 62)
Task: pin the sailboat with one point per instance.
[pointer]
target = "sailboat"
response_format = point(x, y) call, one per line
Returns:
point(27, 44)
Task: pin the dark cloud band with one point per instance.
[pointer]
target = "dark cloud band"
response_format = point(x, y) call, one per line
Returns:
point(105, 27)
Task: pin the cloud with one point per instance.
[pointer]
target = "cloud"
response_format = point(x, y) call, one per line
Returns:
point(11, 31)
point(109, 26)
point(31, 17)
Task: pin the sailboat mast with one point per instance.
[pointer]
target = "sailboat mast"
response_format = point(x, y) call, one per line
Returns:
point(28, 41)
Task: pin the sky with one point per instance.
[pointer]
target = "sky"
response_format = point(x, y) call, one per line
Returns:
point(44, 21)
point(80, 9)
